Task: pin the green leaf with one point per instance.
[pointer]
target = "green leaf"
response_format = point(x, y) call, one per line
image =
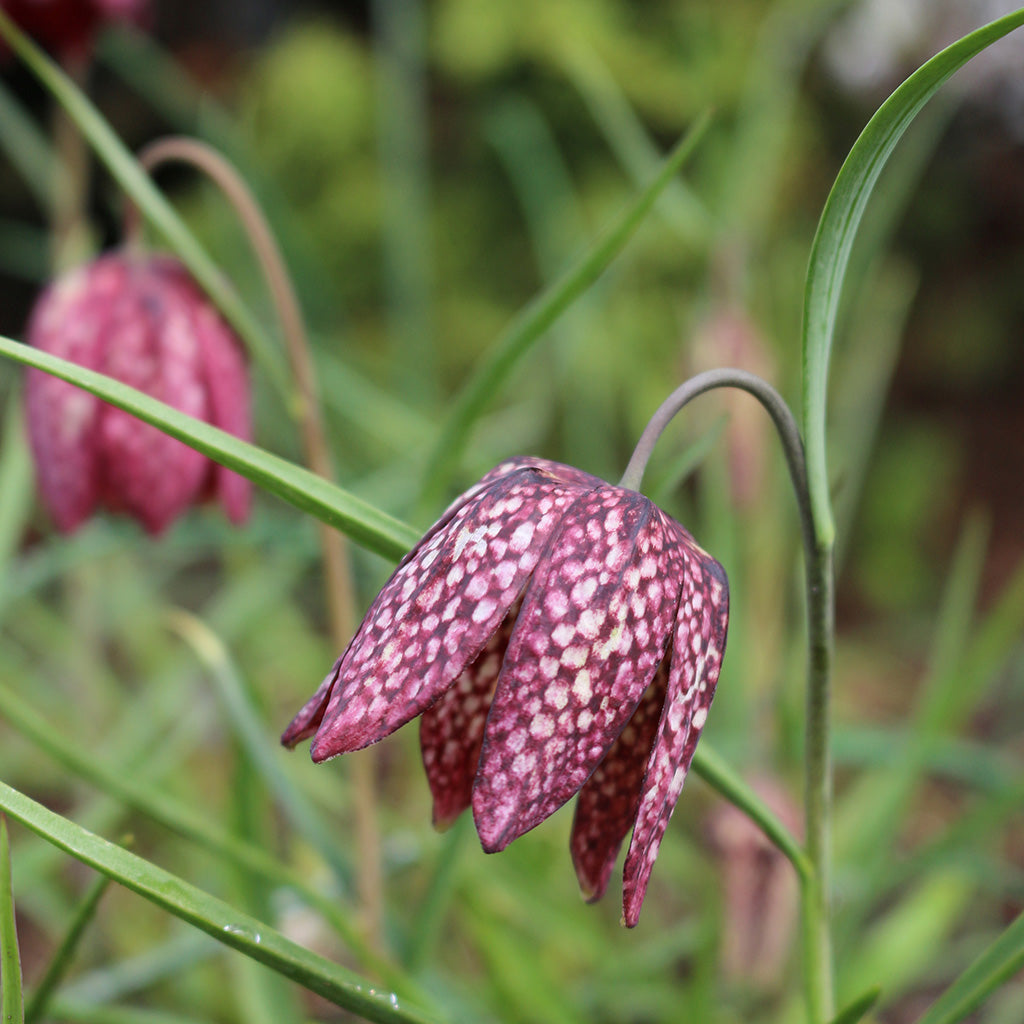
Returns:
point(61, 960)
point(858, 1009)
point(151, 202)
point(29, 150)
point(261, 749)
point(226, 924)
point(837, 228)
point(997, 964)
point(530, 324)
point(185, 822)
point(305, 490)
point(12, 1009)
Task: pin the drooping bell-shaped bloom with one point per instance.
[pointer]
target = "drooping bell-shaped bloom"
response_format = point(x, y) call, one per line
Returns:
point(67, 27)
point(142, 320)
point(558, 635)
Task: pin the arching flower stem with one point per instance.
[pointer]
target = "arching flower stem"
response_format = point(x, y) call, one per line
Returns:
point(818, 566)
point(337, 568)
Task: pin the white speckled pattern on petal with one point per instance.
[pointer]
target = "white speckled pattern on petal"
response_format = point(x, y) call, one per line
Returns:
point(438, 610)
point(607, 803)
point(697, 648)
point(452, 729)
point(559, 635)
point(594, 625)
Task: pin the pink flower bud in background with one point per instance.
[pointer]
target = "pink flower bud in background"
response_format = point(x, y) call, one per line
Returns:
point(67, 27)
point(142, 320)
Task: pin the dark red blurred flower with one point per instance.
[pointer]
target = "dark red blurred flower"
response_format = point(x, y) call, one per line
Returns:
point(67, 27)
point(558, 635)
point(142, 320)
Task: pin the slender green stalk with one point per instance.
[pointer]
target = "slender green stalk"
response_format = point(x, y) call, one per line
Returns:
point(61, 961)
point(12, 1007)
point(816, 908)
point(813, 866)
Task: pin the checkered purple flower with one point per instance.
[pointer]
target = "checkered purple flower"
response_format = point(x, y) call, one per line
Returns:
point(558, 635)
point(142, 320)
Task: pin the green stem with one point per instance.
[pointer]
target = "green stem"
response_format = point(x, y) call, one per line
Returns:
point(12, 1007)
point(813, 867)
point(815, 914)
point(58, 967)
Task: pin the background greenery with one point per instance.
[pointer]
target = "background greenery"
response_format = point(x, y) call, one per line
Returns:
point(421, 203)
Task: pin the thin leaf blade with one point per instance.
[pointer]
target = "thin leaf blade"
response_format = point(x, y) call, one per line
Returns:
point(209, 914)
point(537, 316)
point(12, 1007)
point(305, 490)
point(837, 229)
point(999, 962)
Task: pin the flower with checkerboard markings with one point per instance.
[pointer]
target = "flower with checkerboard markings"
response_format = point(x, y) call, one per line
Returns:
point(558, 635)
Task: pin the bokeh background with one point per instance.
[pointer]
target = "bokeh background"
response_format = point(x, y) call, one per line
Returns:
point(428, 168)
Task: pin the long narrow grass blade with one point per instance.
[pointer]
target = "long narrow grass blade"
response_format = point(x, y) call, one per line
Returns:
point(837, 228)
point(998, 963)
point(15, 481)
point(253, 938)
point(858, 1009)
point(250, 733)
point(184, 822)
point(61, 960)
point(12, 1009)
point(305, 490)
point(137, 184)
point(84, 1013)
point(28, 148)
point(496, 365)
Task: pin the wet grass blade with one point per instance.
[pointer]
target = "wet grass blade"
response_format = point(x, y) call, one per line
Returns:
point(305, 490)
point(209, 914)
point(180, 819)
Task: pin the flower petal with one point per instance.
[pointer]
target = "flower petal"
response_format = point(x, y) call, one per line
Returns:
point(697, 649)
point(607, 804)
point(437, 611)
point(452, 730)
point(308, 720)
point(63, 419)
point(151, 345)
point(227, 386)
point(595, 623)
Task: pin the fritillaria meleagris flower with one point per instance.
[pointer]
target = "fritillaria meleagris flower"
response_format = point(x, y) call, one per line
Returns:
point(67, 27)
point(558, 635)
point(142, 320)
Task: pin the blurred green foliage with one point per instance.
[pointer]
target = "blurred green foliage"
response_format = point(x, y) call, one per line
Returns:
point(540, 121)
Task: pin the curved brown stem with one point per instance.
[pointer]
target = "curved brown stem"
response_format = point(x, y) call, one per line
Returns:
point(337, 568)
